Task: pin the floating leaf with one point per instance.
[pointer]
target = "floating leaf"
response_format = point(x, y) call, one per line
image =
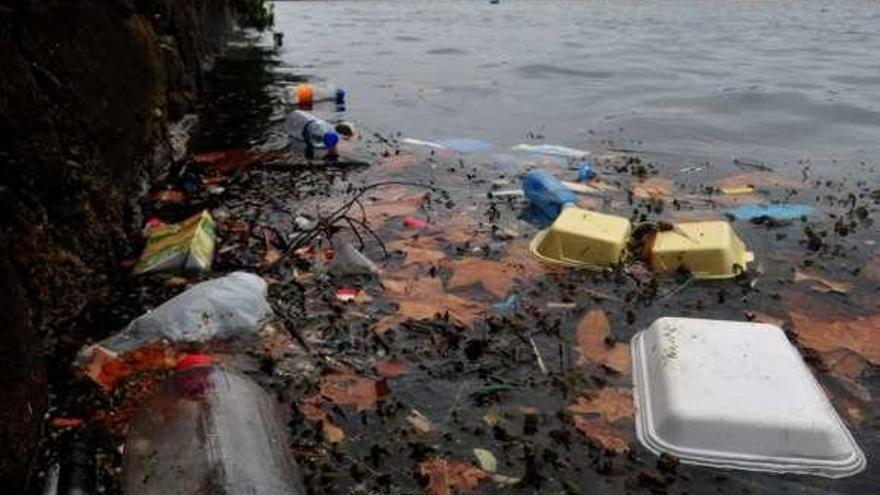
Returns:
point(312, 410)
point(859, 334)
point(494, 276)
point(611, 403)
point(653, 188)
point(821, 284)
point(759, 317)
point(391, 368)
point(764, 180)
point(419, 421)
point(593, 333)
point(423, 297)
point(844, 363)
point(393, 204)
point(344, 389)
point(602, 432)
point(169, 196)
point(487, 460)
point(67, 422)
point(397, 162)
point(419, 250)
point(332, 433)
point(445, 476)
point(230, 160)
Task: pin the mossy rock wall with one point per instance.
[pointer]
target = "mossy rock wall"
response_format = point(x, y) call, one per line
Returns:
point(87, 88)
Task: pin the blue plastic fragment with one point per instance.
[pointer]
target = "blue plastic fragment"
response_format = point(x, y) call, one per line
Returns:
point(776, 211)
point(545, 192)
point(465, 145)
point(507, 305)
point(585, 172)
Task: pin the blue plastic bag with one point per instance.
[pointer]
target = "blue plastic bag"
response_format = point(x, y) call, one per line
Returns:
point(776, 211)
point(546, 193)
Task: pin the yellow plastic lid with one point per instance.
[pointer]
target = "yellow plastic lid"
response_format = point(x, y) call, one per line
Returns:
point(582, 238)
point(709, 250)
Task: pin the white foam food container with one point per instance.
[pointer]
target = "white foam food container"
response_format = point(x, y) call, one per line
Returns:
point(736, 395)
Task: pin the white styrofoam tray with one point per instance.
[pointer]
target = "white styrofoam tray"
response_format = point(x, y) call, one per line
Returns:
point(736, 395)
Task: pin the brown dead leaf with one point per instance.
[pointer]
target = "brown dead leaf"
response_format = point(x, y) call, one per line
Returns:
point(423, 297)
point(230, 160)
point(394, 163)
point(448, 477)
point(463, 227)
point(653, 188)
point(844, 363)
point(601, 432)
point(821, 284)
point(107, 368)
point(419, 250)
point(759, 317)
point(759, 180)
point(858, 334)
point(312, 409)
point(169, 196)
point(392, 367)
point(612, 404)
point(345, 389)
point(494, 276)
point(393, 204)
point(331, 432)
point(592, 332)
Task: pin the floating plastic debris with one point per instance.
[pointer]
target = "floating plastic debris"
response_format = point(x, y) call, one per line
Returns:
point(552, 149)
point(582, 238)
point(708, 250)
point(776, 211)
point(735, 395)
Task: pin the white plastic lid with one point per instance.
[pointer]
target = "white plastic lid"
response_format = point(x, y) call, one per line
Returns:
point(736, 395)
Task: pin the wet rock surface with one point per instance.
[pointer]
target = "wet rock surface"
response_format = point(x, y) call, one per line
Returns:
point(392, 381)
point(85, 94)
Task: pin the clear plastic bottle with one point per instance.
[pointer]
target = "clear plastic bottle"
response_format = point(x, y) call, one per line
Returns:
point(314, 131)
point(208, 431)
point(305, 95)
point(546, 192)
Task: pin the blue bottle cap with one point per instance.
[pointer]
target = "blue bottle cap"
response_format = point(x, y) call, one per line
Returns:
point(585, 172)
point(331, 139)
point(340, 96)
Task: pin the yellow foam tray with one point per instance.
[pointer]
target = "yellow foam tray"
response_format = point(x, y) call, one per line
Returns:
point(582, 238)
point(709, 250)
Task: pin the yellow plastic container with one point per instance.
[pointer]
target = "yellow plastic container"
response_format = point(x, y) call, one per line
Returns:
point(709, 250)
point(582, 238)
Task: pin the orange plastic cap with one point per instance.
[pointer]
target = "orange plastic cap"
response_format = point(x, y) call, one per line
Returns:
point(304, 94)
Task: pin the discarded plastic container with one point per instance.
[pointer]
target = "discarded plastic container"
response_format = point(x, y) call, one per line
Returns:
point(583, 239)
point(776, 211)
point(207, 431)
point(305, 95)
point(708, 250)
point(735, 395)
point(188, 245)
point(547, 193)
point(314, 131)
point(233, 306)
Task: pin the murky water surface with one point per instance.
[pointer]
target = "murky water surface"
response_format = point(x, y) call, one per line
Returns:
point(774, 80)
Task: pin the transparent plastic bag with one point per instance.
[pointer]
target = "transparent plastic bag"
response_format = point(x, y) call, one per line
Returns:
point(229, 307)
point(347, 260)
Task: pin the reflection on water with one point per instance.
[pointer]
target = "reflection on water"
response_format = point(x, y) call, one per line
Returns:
point(779, 80)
